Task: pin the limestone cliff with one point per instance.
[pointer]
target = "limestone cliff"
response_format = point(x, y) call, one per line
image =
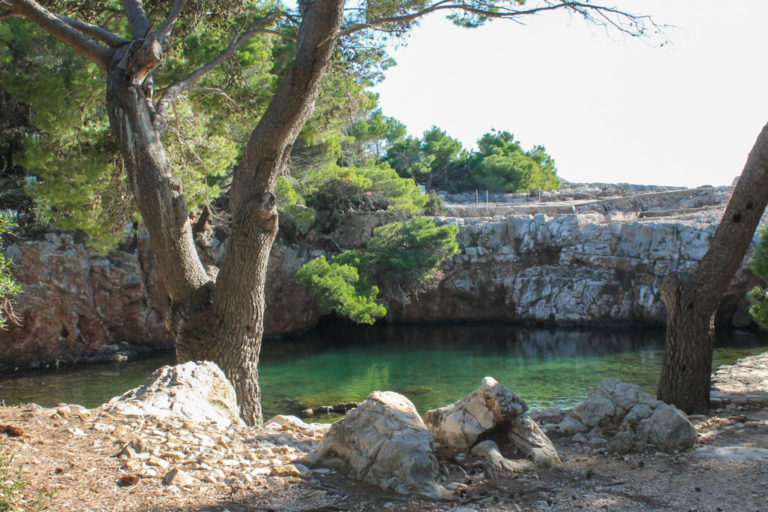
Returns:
point(599, 262)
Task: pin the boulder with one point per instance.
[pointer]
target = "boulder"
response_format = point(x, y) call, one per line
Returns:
point(460, 424)
point(492, 411)
point(197, 391)
point(623, 407)
point(383, 442)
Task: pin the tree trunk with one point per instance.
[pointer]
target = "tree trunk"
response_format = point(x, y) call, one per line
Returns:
point(693, 300)
point(221, 322)
point(687, 364)
point(238, 296)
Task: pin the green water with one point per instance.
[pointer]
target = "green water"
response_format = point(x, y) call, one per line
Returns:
point(432, 365)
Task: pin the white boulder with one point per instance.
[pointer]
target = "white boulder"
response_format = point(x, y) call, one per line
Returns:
point(383, 442)
point(197, 391)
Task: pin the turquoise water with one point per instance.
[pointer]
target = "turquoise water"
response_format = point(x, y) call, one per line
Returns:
point(432, 365)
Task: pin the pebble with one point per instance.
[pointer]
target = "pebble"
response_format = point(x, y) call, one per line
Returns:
point(178, 477)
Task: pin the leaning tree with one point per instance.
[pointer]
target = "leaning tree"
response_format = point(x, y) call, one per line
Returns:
point(221, 318)
point(692, 298)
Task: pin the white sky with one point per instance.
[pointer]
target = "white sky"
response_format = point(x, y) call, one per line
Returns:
point(606, 107)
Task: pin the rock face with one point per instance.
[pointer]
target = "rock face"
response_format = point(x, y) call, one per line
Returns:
point(579, 269)
point(194, 391)
point(383, 442)
point(75, 301)
point(602, 264)
point(492, 411)
point(634, 417)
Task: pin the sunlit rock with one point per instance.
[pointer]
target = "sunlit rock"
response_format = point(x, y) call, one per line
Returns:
point(383, 442)
point(197, 391)
point(492, 411)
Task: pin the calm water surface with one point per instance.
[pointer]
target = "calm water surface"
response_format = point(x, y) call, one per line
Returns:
point(432, 365)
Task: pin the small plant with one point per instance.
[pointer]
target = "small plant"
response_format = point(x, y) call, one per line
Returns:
point(758, 297)
point(12, 483)
point(434, 205)
point(12, 486)
point(8, 285)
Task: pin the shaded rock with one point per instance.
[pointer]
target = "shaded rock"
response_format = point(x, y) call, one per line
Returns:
point(196, 391)
point(460, 424)
point(622, 442)
point(570, 425)
point(527, 438)
point(383, 442)
point(668, 429)
point(616, 405)
point(495, 462)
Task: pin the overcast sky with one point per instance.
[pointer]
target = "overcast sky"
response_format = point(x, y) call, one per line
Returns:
point(606, 107)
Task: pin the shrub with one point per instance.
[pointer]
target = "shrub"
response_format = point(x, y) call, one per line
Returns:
point(338, 287)
point(400, 257)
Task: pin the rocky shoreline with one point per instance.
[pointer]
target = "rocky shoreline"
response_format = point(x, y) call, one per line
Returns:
point(118, 456)
point(601, 263)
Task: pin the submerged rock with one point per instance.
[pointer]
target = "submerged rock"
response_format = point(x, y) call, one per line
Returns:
point(625, 408)
point(383, 442)
point(197, 391)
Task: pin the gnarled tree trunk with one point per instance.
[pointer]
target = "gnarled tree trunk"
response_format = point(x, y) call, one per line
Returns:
point(221, 320)
point(692, 300)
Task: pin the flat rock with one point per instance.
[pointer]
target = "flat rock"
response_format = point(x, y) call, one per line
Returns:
point(734, 452)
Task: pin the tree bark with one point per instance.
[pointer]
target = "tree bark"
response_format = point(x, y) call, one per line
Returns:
point(692, 300)
point(236, 321)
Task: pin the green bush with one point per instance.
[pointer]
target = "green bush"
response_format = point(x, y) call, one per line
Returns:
point(367, 188)
point(8, 285)
point(338, 287)
point(400, 257)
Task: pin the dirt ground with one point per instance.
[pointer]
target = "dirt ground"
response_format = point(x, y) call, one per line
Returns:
point(74, 457)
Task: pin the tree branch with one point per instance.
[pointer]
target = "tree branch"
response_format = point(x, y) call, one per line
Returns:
point(62, 31)
point(622, 21)
point(170, 20)
point(217, 91)
point(175, 89)
point(94, 31)
point(137, 18)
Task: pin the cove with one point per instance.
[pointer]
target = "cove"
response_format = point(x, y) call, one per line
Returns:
point(431, 364)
